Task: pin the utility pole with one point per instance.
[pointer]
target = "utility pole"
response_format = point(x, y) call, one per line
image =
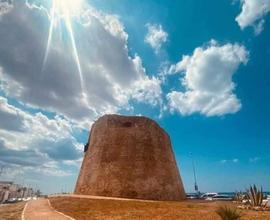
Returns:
point(194, 174)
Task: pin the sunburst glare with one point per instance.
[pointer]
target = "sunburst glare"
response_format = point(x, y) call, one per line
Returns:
point(64, 11)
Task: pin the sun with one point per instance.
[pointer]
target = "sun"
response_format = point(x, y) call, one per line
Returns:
point(65, 11)
point(67, 8)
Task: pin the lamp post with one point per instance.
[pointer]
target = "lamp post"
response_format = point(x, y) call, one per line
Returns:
point(194, 174)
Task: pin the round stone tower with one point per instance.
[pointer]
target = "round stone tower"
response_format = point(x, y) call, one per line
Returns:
point(129, 157)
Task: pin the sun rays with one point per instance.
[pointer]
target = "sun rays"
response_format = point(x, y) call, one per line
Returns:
point(64, 11)
point(52, 20)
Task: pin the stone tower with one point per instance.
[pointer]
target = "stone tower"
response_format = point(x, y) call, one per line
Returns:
point(129, 157)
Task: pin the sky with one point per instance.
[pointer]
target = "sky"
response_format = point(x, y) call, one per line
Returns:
point(199, 68)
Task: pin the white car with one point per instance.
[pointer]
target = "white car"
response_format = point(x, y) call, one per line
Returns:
point(11, 200)
point(206, 196)
point(221, 198)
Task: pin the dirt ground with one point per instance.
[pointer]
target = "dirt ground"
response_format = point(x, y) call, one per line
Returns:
point(100, 209)
point(11, 211)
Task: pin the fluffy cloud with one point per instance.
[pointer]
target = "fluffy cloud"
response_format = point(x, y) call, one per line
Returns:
point(41, 141)
point(33, 146)
point(52, 104)
point(235, 160)
point(252, 14)
point(254, 159)
point(63, 149)
point(11, 119)
point(111, 77)
point(155, 36)
point(5, 6)
point(24, 157)
point(207, 80)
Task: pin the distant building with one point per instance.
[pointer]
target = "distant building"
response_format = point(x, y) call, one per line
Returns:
point(4, 190)
point(9, 190)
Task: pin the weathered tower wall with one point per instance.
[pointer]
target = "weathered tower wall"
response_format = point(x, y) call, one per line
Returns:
point(129, 157)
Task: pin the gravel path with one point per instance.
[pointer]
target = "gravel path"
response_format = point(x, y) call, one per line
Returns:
point(41, 210)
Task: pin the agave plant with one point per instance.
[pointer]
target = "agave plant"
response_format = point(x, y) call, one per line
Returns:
point(255, 196)
point(239, 196)
point(227, 213)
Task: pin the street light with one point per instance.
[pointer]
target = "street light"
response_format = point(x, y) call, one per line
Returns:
point(194, 174)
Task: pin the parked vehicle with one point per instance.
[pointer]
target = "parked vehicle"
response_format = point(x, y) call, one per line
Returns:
point(220, 198)
point(12, 200)
point(208, 195)
point(192, 196)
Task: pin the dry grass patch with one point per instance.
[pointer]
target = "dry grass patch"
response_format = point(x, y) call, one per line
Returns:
point(101, 209)
point(11, 211)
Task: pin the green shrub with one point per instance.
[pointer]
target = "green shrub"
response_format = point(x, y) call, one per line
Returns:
point(238, 197)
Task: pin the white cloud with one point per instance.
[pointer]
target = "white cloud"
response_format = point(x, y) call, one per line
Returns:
point(235, 160)
point(207, 80)
point(111, 76)
point(147, 89)
point(10, 117)
point(252, 14)
point(156, 36)
point(50, 171)
point(40, 147)
point(75, 163)
point(5, 7)
point(45, 146)
point(42, 139)
point(254, 159)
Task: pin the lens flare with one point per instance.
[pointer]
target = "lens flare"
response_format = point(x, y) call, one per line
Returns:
point(75, 51)
point(52, 18)
point(65, 11)
point(70, 8)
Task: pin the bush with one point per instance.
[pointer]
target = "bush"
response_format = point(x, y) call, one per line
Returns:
point(227, 213)
point(255, 196)
point(238, 197)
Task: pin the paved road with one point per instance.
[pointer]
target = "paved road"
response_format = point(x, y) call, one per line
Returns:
point(41, 210)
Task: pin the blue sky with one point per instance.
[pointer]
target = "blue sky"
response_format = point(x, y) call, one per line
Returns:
point(199, 68)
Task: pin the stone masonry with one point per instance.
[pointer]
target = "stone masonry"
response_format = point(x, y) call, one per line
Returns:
point(129, 157)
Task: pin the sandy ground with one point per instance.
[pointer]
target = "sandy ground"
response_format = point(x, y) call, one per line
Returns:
point(112, 209)
point(11, 211)
point(115, 208)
